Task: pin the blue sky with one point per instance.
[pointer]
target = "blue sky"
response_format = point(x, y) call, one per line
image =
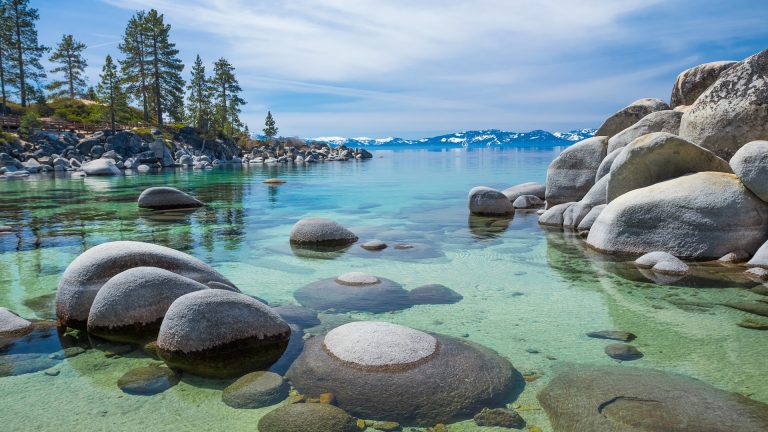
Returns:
point(421, 68)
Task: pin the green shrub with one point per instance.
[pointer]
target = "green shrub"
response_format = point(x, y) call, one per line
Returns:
point(30, 123)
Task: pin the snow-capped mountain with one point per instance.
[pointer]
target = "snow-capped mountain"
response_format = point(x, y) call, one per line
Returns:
point(483, 138)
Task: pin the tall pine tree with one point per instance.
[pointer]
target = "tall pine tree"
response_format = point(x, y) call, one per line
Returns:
point(227, 98)
point(7, 71)
point(199, 101)
point(111, 92)
point(270, 131)
point(165, 69)
point(69, 56)
point(135, 69)
point(26, 51)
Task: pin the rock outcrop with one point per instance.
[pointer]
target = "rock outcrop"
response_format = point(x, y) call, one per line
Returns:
point(630, 115)
point(572, 174)
point(691, 83)
point(750, 164)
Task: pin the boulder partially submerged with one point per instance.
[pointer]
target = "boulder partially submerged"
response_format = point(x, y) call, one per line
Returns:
point(354, 291)
point(572, 174)
point(163, 198)
point(320, 232)
point(485, 201)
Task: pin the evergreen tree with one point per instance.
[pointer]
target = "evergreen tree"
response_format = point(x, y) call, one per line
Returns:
point(134, 66)
point(199, 101)
point(91, 94)
point(111, 92)
point(165, 67)
point(7, 71)
point(227, 98)
point(270, 131)
point(26, 51)
point(69, 56)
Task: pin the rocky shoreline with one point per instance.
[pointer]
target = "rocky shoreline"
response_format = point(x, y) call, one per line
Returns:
point(685, 180)
point(107, 153)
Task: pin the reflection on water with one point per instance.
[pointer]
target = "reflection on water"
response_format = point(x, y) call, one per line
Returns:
point(529, 293)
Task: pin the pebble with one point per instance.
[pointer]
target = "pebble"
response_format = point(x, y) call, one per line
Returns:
point(52, 372)
point(374, 245)
point(752, 324)
point(274, 181)
point(73, 351)
point(532, 351)
point(387, 426)
point(403, 246)
point(623, 352)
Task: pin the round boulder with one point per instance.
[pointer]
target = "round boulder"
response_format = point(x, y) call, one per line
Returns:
point(527, 202)
point(750, 164)
point(163, 198)
point(374, 245)
point(610, 399)
point(732, 111)
point(662, 262)
point(307, 417)
point(217, 333)
point(434, 294)
point(131, 305)
point(101, 167)
point(660, 121)
point(354, 291)
point(12, 325)
point(256, 390)
point(572, 174)
point(321, 232)
point(691, 83)
point(483, 200)
point(698, 216)
point(656, 157)
point(148, 381)
point(630, 115)
point(298, 315)
point(92, 269)
point(384, 371)
point(530, 188)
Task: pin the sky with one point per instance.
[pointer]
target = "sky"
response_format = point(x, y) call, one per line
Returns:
point(415, 69)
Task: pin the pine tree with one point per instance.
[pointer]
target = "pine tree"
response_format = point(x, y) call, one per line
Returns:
point(111, 92)
point(69, 56)
point(26, 51)
point(91, 94)
point(199, 101)
point(134, 67)
point(7, 71)
point(165, 69)
point(270, 131)
point(227, 98)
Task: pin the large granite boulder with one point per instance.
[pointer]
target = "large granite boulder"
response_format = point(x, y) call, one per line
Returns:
point(760, 258)
point(485, 201)
point(310, 232)
point(530, 188)
point(630, 115)
point(733, 111)
point(220, 334)
point(307, 417)
point(101, 167)
point(750, 164)
point(626, 399)
point(605, 166)
point(12, 325)
point(124, 143)
point(691, 83)
point(656, 157)
point(385, 371)
point(162, 198)
point(554, 215)
point(131, 305)
point(660, 121)
point(573, 172)
point(698, 216)
point(85, 276)
point(354, 291)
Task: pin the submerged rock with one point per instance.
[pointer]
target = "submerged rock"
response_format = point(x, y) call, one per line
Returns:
point(623, 352)
point(24, 363)
point(691, 83)
point(374, 245)
point(85, 276)
point(408, 376)
point(148, 381)
point(588, 220)
point(12, 325)
point(219, 334)
point(163, 198)
point(527, 201)
point(572, 174)
point(321, 232)
point(256, 390)
point(499, 417)
point(307, 417)
point(485, 201)
point(662, 262)
point(131, 305)
point(630, 115)
point(434, 294)
point(299, 315)
point(613, 335)
point(555, 215)
point(750, 164)
point(354, 292)
point(611, 399)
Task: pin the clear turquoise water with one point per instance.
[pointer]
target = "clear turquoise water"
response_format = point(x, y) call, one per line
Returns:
point(525, 288)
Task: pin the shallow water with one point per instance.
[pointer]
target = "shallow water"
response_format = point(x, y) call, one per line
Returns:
point(529, 293)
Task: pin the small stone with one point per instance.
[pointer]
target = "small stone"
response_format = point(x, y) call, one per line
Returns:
point(499, 417)
point(73, 351)
point(623, 352)
point(734, 257)
point(255, 390)
point(361, 424)
point(51, 372)
point(296, 398)
point(387, 426)
point(465, 335)
point(613, 335)
point(327, 398)
point(374, 245)
point(274, 181)
point(757, 274)
point(403, 246)
point(307, 418)
point(753, 324)
point(532, 351)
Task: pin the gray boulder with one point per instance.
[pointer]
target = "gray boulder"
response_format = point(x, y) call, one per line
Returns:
point(732, 111)
point(220, 334)
point(573, 172)
point(409, 376)
point(307, 417)
point(256, 390)
point(625, 399)
point(298, 315)
point(12, 325)
point(662, 262)
point(131, 305)
point(554, 216)
point(660, 121)
point(354, 291)
point(750, 164)
point(691, 83)
point(605, 166)
point(760, 258)
point(161, 198)
point(483, 200)
point(588, 220)
point(434, 294)
point(148, 380)
point(698, 216)
point(85, 276)
point(530, 188)
point(320, 231)
point(656, 157)
point(527, 201)
point(100, 167)
point(630, 115)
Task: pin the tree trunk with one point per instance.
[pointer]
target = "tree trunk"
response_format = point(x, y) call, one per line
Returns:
point(2, 84)
point(156, 65)
point(20, 52)
point(143, 74)
point(71, 79)
point(112, 102)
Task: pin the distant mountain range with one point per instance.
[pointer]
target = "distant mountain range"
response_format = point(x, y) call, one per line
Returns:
point(470, 139)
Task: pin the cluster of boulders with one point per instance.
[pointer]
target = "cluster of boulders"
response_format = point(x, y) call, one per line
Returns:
point(486, 201)
point(296, 151)
point(689, 178)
